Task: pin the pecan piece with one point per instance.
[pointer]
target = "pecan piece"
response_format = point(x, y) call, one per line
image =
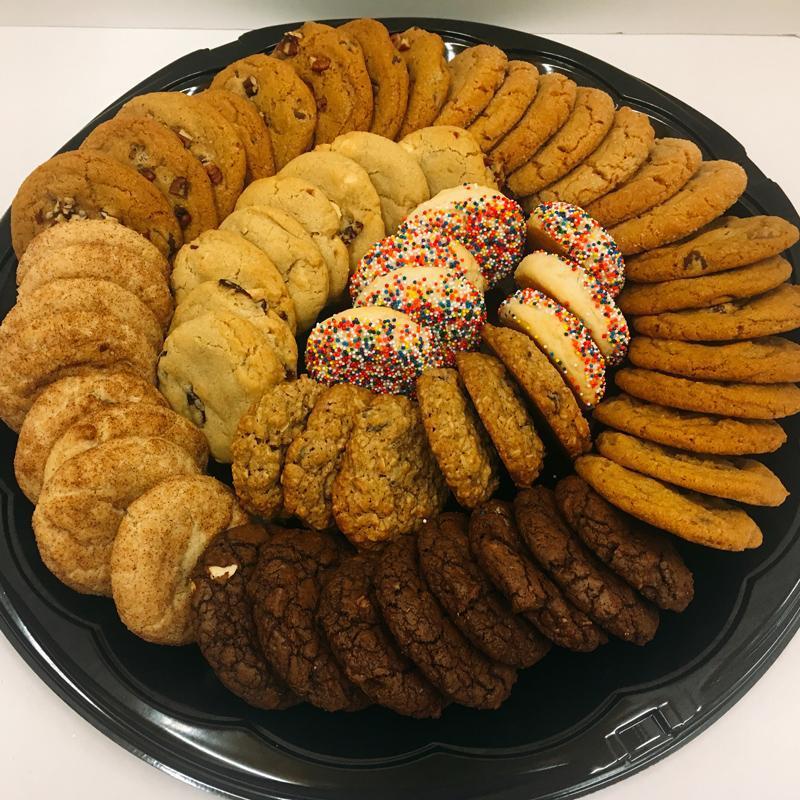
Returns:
point(250, 86)
point(179, 187)
point(319, 63)
point(289, 46)
point(400, 42)
point(214, 174)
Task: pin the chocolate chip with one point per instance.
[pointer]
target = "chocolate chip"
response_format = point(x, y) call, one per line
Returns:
point(264, 305)
point(226, 284)
point(322, 104)
point(39, 217)
point(320, 63)
point(184, 137)
point(214, 174)
point(183, 216)
point(288, 46)
point(351, 231)
point(250, 86)
point(147, 173)
point(196, 407)
point(179, 187)
point(172, 244)
point(299, 114)
point(103, 347)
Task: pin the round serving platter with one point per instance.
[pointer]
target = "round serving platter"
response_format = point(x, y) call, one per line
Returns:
point(574, 722)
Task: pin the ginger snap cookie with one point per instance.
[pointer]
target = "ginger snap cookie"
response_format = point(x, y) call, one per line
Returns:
point(503, 413)
point(458, 440)
point(157, 154)
point(89, 185)
point(742, 479)
point(550, 109)
point(507, 106)
point(699, 433)
point(733, 243)
point(670, 165)
point(388, 75)
point(428, 77)
point(694, 517)
point(283, 101)
point(715, 187)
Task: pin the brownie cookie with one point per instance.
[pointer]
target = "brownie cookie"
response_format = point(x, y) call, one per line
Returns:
point(768, 360)
point(496, 544)
point(503, 413)
point(223, 618)
point(157, 154)
point(284, 589)
point(90, 185)
point(284, 102)
point(465, 593)
point(668, 168)
point(358, 637)
point(593, 588)
point(647, 560)
point(732, 243)
point(741, 479)
point(777, 311)
point(715, 187)
point(388, 75)
point(587, 126)
point(694, 517)
point(689, 431)
point(429, 639)
point(542, 385)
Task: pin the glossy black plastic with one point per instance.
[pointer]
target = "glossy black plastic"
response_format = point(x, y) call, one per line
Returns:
point(574, 723)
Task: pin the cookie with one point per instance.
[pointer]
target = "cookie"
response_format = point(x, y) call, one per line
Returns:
point(359, 639)
point(429, 639)
point(732, 243)
point(212, 369)
point(346, 184)
point(694, 517)
point(388, 482)
point(689, 431)
point(387, 74)
point(395, 173)
point(205, 133)
point(292, 250)
point(589, 584)
point(313, 458)
point(284, 589)
point(331, 63)
point(707, 291)
point(586, 127)
point(497, 547)
point(647, 560)
point(624, 149)
point(670, 165)
point(745, 400)
point(223, 618)
point(466, 594)
point(550, 109)
point(507, 105)
point(428, 77)
point(767, 360)
point(160, 538)
point(157, 154)
point(500, 408)
point(248, 123)
point(283, 101)
point(315, 212)
point(713, 189)
point(458, 440)
point(61, 405)
point(741, 479)
point(84, 502)
point(90, 185)
point(542, 385)
point(262, 436)
point(777, 311)
point(225, 255)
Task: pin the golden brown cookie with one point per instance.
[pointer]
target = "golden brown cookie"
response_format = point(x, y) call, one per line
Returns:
point(699, 433)
point(694, 517)
point(503, 413)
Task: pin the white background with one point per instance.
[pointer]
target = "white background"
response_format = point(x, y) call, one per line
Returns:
point(54, 80)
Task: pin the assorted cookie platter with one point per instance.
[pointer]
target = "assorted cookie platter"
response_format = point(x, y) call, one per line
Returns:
point(392, 541)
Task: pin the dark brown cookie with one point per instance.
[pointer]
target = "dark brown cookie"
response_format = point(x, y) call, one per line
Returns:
point(223, 618)
point(469, 598)
point(429, 639)
point(597, 591)
point(498, 549)
point(364, 647)
point(284, 589)
point(647, 560)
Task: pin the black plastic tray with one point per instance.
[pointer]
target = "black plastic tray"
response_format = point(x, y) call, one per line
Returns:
point(574, 722)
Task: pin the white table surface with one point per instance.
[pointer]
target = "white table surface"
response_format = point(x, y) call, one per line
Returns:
point(54, 80)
